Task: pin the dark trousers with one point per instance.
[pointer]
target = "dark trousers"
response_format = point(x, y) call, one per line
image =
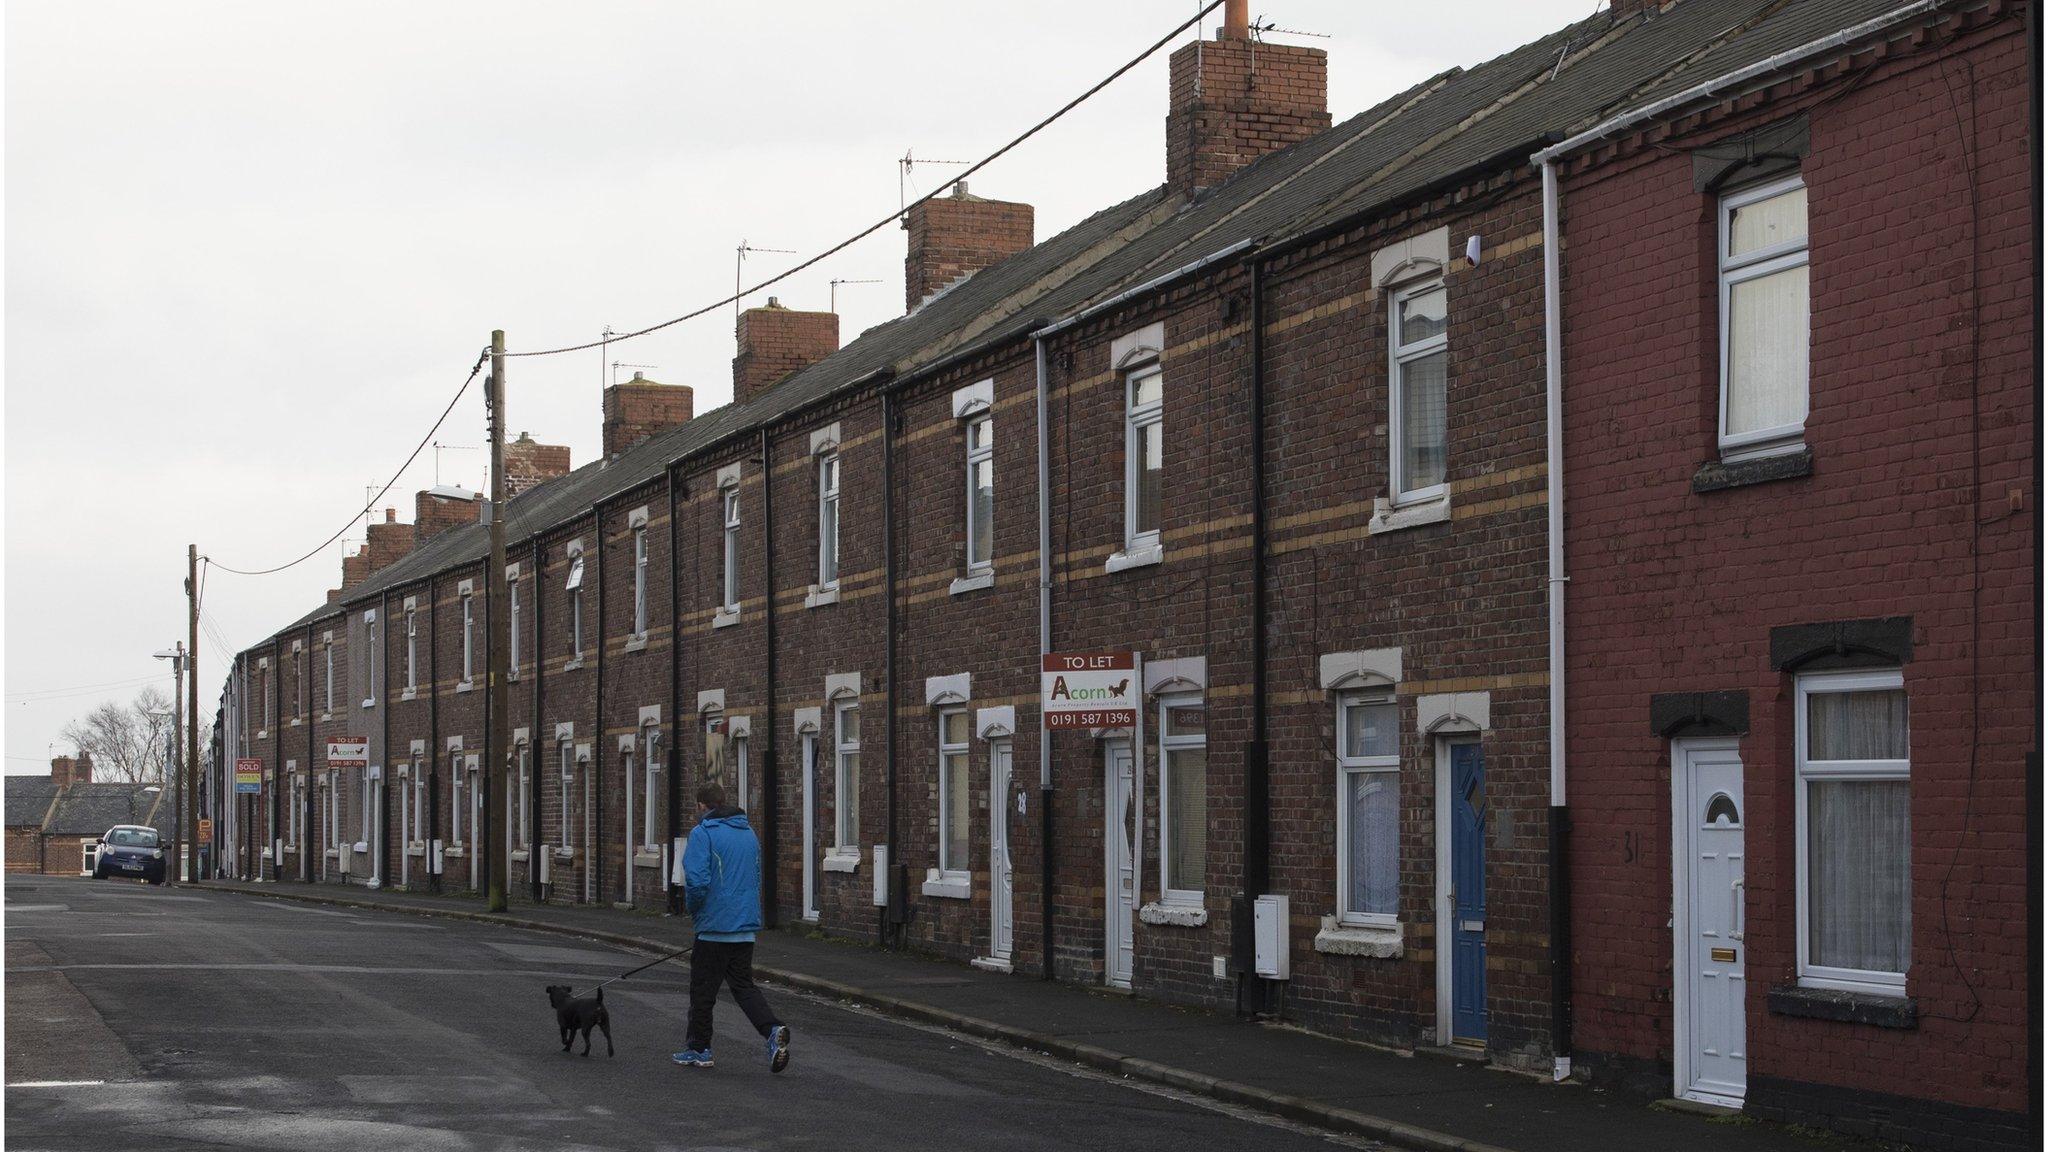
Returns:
point(718, 962)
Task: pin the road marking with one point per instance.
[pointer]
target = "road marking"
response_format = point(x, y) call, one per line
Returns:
point(677, 983)
point(56, 1083)
point(35, 908)
point(283, 907)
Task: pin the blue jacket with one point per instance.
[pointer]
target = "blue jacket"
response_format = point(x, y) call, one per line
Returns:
point(722, 877)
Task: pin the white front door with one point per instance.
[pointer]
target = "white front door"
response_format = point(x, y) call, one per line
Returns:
point(999, 936)
point(1120, 870)
point(1711, 1053)
point(810, 825)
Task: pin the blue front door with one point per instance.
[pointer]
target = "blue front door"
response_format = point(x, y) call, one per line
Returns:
point(1468, 893)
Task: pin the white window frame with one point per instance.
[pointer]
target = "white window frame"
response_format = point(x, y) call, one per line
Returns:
point(650, 755)
point(412, 655)
point(333, 808)
point(956, 870)
point(1138, 417)
point(565, 751)
point(329, 689)
point(1754, 266)
point(264, 672)
point(374, 659)
point(729, 574)
point(640, 582)
point(1807, 771)
point(512, 607)
point(1398, 356)
point(522, 755)
point(1177, 897)
point(299, 692)
point(976, 455)
point(828, 541)
point(298, 805)
point(419, 803)
point(1349, 765)
point(468, 638)
point(845, 817)
point(458, 774)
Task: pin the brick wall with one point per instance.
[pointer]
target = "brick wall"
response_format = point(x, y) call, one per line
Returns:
point(640, 408)
point(1919, 504)
point(529, 463)
point(437, 510)
point(775, 341)
point(1234, 100)
point(959, 233)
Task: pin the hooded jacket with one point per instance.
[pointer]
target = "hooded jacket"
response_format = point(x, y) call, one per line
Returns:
point(722, 877)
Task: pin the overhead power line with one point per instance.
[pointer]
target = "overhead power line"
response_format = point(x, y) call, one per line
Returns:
point(350, 522)
point(82, 688)
point(893, 217)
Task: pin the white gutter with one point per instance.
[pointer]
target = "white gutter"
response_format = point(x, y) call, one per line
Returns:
point(1746, 73)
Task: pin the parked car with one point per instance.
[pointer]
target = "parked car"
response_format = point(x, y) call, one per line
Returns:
point(131, 850)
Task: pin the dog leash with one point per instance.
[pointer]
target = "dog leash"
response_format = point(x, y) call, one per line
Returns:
point(649, 964)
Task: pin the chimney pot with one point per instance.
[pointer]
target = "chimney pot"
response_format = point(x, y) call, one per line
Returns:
point(775, 302)
point(637, 377)
point(391, 515)
point(959, 189)
point(1236, 20)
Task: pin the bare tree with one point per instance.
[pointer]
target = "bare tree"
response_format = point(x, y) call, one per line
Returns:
point(127, 742)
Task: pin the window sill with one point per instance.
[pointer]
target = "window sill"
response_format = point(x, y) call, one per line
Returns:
point(972, 583)
point(294, 723)
point(519, 854)
point(263, 733)
point(409, 694)
point(1378, 941)
point(836, 863)
point(416, 850)
point(1720, 475)
point(1179, 915)
point(369, 702)
point(1129, 558)
point(360, 846)
point(333, 853)
point(565, 853)
point(573, 665)
point(326, 716)
point(636, 644)
point(465, 685)
point(953, 887)
point(1872, 1008)
point(725, 618)
point(643, 860)
point(819, 597)
point(1388, 517)
point(455, 850)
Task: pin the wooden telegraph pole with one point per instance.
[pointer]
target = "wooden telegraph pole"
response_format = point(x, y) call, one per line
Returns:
point(191, 703)
point(497, 740)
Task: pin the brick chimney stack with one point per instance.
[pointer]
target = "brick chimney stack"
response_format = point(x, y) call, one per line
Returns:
point(638, 409)
point(951, 236)
point(355, 568)
point(775, 341)
point(440, 508)
point(1234, 99)
point(388, 542)
point(529, 464)
point(68, 770)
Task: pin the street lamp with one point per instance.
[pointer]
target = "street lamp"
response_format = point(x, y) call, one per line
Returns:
point(177, 658)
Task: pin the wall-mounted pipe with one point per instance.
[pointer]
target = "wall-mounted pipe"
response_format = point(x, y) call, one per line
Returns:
point(765, 750)
point(533, 737)
point(433, 837)
point(672, 893)
point(593, 864)
point(300, 693)
point(383, 845)
point(1258, 800)
point(884, 933)
point(1045, 821)
point(1560, 825)
point(275, 689)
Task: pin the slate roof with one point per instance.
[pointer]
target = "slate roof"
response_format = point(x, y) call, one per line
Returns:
point(1496, 112)
point(27, 799)
point(88, 809)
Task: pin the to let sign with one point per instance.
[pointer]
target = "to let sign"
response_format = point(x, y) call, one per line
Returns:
point(1089, 690)
point(248, 775)
point(348, 752)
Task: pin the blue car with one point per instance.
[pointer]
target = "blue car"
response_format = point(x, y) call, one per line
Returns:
point(133, 851)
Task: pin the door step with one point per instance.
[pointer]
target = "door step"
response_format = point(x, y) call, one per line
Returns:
point(1462, 1053)
point(1697, 1107)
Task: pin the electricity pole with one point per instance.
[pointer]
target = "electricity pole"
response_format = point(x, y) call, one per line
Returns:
point(191, 835)
point(498, 702)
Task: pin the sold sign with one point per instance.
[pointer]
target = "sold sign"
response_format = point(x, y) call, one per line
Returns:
point(1089, 690)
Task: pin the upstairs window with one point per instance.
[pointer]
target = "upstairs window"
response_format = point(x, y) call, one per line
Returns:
point(1420, 345)
point(412, 650)
point(468, 638)
point(828, 520)
point(981, 493)
point(574, 586)
point(298, 682)
point(1144, 455)
point(640, 582)
point(329, 680)
point(373, 659)
point(1765, 318)
point(1855, 852)
point(512, 604)
point(729, 581)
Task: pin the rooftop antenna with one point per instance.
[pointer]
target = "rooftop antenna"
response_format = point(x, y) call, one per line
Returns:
point(1261, 26)
point(903, 175)
point(618, 364)
point(604, 351)
point(835, 290)
point(440, 448)
point(739, 265)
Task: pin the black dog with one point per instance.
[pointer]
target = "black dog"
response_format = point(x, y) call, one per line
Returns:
point(580, 1016)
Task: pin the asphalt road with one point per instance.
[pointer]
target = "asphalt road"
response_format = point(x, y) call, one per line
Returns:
point(142, 1017)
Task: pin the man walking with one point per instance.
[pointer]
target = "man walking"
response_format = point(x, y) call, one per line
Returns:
point(722, 890)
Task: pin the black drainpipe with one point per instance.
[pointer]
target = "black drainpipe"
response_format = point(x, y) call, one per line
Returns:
point(433, 742)
point(533, 740)
point(765, 747)
point(482, 832)
point(894, 894)
point(595, 859)
point(300, 693)
point(674, 750)
point(276, 762)
point(384, 742)
point(1258, 836)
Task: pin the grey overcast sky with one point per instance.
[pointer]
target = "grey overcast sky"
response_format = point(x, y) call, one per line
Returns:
point(252, 248)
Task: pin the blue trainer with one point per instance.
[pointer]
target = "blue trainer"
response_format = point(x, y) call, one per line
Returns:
point(692, 1058)
point(778, 1048)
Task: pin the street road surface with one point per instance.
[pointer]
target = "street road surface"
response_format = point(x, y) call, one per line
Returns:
point(169, 1019)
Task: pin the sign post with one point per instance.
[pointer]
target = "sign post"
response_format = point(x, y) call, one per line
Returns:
point(1089, 690)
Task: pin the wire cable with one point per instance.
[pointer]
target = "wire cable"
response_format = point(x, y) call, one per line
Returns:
point(893, 217)
point(372, 503)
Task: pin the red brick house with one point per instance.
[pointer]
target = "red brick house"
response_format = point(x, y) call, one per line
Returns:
point(1280, 429)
